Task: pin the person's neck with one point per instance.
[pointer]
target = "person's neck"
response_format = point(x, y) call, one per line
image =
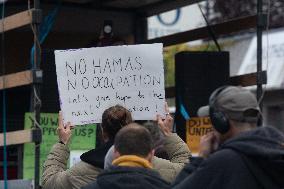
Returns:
point(239, 127)
point(236, 128)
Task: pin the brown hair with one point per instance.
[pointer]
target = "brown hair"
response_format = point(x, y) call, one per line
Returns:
point(133, 140)
point(114, 118)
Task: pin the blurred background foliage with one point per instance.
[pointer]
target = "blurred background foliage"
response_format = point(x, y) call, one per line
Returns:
point(169, 57)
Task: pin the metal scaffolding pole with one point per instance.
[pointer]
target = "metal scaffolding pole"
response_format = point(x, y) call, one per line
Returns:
point(36, 102)
point(260, 25)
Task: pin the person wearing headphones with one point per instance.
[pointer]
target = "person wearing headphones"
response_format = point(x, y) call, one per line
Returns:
point(237, 153)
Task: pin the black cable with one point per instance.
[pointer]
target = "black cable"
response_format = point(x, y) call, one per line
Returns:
point(267, 48)
point(210, 29)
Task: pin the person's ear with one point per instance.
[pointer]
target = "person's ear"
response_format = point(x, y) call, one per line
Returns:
point(116, 154)
point(104, 135)
point(151, 155)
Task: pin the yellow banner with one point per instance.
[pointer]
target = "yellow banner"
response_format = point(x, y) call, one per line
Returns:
point(196, 127)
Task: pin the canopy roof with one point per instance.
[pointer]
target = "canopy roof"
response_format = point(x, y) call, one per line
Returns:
point(145, 7)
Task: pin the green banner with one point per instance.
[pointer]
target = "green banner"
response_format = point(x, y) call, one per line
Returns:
point(83, 139)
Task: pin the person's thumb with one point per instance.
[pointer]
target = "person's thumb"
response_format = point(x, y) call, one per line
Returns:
point(68, 127)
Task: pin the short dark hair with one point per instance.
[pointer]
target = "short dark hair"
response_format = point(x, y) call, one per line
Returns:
point(114, 118)
point(156, 133)
point(134, 140)
point(158, 138)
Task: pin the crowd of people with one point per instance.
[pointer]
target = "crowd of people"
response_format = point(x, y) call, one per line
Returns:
point(236, 154)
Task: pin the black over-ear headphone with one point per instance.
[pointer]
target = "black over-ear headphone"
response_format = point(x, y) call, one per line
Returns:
point(219, 120)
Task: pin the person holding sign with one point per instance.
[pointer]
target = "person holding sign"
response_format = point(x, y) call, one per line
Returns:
point(132, 166)
point(237, 154)
point(55, 174)
point(176, 149)
point(89, 82)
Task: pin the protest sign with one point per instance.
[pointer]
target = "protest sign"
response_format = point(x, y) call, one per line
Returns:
point(75, 156)
point(83, 138)
point(93, 79)
point(196, 127)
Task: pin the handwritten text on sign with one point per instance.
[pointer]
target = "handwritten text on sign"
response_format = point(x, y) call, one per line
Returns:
point(196, 127)
point(91, 80)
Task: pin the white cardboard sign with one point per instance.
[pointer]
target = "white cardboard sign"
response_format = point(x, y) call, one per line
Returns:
point(91, 80)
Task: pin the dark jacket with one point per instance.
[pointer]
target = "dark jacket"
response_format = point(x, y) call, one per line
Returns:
point(252, 160)
point(96, 157)
point(118, 177)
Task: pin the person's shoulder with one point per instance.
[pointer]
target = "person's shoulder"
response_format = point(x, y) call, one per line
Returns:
point(82, 169)
point(131, 172)
point(164, 166)
point(225, 158)
point(159, 163)
point(223, 155)
point(140, 176)
point(92, 185)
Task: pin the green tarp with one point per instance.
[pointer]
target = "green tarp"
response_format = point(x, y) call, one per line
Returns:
point(83, 139)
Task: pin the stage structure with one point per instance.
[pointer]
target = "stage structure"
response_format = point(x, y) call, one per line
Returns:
point(78, 24)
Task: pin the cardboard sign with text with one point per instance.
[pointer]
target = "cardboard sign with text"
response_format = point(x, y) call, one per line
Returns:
point(196, 127)
point(93, 79)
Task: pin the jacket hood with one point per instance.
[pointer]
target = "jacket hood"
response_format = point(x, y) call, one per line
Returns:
point(265, 147)
point(120, 177)
point(96, 157)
